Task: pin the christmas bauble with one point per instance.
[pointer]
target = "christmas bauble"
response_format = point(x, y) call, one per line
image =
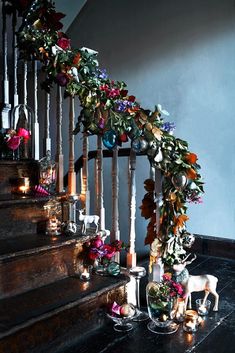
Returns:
point(109, 139)
point(179, 181)
point(139, 144)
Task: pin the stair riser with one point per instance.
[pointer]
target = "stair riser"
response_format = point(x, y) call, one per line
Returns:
point(20, 274)
point(85, 315)
point(17, 169)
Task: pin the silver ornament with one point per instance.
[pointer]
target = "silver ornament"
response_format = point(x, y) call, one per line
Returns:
point(139, 144)
point(159, 156)
point(179, 181)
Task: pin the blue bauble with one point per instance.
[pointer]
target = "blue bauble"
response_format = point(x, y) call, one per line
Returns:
point(109, 139)
point(139, 144)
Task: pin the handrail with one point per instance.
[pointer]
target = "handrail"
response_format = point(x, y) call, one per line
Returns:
point(122, 152)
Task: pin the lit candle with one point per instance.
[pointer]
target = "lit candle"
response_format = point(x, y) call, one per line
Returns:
point(191, 321)
point(85, 275)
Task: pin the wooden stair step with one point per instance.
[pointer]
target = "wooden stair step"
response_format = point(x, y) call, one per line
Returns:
point(22, 214)
point(31, 261)
point(39, 316)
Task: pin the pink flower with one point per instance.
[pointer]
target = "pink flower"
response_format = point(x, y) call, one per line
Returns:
point(166, 277)
point(110, 251)
point(97, 242)
point(64, 43)
point(13, 142)
point(114, 92)
point(23, 133)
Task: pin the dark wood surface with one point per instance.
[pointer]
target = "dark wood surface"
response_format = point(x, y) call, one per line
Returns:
point(215, 335)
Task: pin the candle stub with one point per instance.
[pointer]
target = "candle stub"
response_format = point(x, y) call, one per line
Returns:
point(85, 275)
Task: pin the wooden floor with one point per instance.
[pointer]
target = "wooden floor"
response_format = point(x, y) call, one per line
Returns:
point(215, 335)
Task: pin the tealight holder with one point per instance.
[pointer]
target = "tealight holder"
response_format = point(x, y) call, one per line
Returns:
point(85, 272)
point(203, 307)
point(191, 321)
point(20, 186)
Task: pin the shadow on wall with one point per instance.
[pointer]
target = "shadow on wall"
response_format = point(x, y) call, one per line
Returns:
point(140, 30)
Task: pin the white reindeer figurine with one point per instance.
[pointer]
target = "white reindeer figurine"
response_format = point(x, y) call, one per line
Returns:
point(191, 284)
point(87, 219)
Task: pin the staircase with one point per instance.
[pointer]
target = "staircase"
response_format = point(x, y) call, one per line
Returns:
point(41, 294)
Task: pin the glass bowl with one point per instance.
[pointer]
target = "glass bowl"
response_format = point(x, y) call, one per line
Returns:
point(123, 323)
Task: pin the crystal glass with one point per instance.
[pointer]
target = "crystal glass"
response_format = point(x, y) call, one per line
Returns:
point(138, 272)
point(160, 311)
point(203, 307)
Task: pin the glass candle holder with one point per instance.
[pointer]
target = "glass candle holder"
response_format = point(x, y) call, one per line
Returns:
point(180, 310)
point(190, 321)
point(85, 273)
point(203, 307)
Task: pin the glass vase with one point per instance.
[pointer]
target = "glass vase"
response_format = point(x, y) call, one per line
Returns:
point(161, 311)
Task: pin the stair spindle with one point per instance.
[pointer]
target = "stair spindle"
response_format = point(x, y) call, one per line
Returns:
point(71, 173)
point(131, 255)
point(85, 193)
point(99, 184)
point(15, 64)
point(158, 196)
point(6, 107)
point(47, 139)
point(59, 151)
point(115, 233)
point(35, 128)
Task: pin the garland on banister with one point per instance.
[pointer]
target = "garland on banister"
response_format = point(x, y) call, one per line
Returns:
point(109, 110)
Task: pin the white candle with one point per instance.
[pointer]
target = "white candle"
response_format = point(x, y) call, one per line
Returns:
point(202, 310)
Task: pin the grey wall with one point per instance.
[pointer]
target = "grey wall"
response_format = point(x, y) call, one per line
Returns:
point(180, 54)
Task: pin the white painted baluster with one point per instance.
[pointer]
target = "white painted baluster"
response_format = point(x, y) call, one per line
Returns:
point(96, 185)
point(25, 97)
point(100, 186)
point(59, 152)
point(152, 173)
point(15, 66)
point(85, 193)
point(158, 195)
point(115, 233)
point(157, 267)
point(131, 256)
point(47, 139)
point(71, 173)
point(5, 109)
point(35, 129)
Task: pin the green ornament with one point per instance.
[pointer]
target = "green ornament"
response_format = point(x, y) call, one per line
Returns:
point(113, 268)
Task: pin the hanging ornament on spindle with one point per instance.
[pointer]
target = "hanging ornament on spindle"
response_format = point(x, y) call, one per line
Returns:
point(159, 156)
point(179, 181)
point(139, 144)
point(109, 139)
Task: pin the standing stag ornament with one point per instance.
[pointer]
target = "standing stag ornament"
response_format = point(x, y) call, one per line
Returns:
point(87, 219)
point(207, 283)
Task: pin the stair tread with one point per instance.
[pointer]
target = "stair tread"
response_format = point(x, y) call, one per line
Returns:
point(24, 309)
point(27, 244)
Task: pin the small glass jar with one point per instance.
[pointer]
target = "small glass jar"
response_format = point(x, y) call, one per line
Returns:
point(190, 321)
point(203, 307)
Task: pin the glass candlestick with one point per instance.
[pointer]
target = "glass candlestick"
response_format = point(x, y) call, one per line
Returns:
point(138, 272)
